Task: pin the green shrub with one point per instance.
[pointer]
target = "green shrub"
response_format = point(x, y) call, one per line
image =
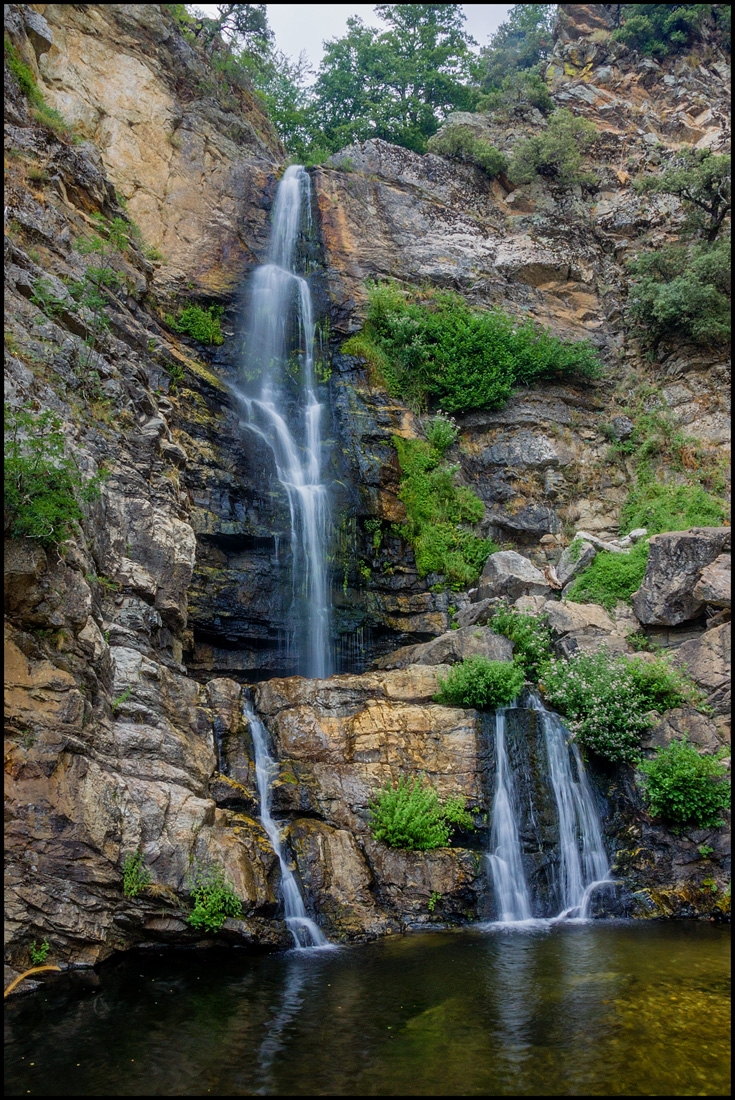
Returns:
point(214, 900)
point(517, 94)
point(38, 952)
point(555, 153)
point(480, 683)
point(611, 577)
point(437, 509)
point(42, 487)
point(433, 350)
point(657, 30)
point(530, 635)
point(201, 324)
point(412, 816)
point(661, 686)
point(682, 291)
point(701, 179)
point(661, 508)
point(460, 142)
point(136, 875)
point(685, 788)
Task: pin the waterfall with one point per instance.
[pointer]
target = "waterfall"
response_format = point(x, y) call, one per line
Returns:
point(583, 864)
point(279, 344)
point(582, 856)
point(305, 932)
point(505, 858)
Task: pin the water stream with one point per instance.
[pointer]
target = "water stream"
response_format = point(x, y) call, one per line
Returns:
point(305, 931)
point(582, 861)
point(280, 352)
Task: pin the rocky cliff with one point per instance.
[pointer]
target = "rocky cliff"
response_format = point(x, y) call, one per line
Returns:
point(128, 645)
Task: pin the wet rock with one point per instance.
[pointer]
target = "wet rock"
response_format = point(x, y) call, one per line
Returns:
point(666, 596)
point(509, 574)
point(449, 648)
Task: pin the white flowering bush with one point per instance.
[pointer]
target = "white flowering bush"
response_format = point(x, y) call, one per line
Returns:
point(604, 706)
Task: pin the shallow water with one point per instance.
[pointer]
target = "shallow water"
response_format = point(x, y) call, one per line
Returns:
point(598, 1008)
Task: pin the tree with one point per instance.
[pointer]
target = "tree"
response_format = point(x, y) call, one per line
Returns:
point(397, 84)
point(660, 29)
point(282, 84)
point(702, 180)
point(555, 153)
point(241, 25)
point(523, 42)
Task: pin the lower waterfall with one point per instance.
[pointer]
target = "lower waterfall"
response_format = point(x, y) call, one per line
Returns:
point(579, 859)
point(306, 932)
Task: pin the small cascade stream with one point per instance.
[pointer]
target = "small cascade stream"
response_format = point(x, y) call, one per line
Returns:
point(582, 862)
point(279, 346)
point(305, 931)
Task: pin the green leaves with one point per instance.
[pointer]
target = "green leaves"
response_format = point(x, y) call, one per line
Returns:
point(411, 816)
point(480, 683)
point(660, 29)
point(201, 324)
point(701, 180)
point(685, 788)
point(611, 577)
point(555, 153)
point(42, 487)
point(136, 875)
point(214, 900)
point(530, 635)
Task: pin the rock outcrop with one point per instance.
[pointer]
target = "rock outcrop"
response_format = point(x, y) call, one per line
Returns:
point(669, 593)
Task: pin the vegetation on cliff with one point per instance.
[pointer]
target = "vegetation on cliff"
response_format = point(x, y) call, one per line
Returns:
point(411, 815)
point(685, 788)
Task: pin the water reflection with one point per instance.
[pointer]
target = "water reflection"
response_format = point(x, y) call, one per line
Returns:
point(553, 1009)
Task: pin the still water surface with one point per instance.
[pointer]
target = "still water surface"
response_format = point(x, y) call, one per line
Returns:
point(602, 1008)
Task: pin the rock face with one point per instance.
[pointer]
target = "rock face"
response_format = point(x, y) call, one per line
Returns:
point(668, 595)
point(455, 645)
point(509, 574)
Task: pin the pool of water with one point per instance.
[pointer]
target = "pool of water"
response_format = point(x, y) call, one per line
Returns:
point(598, 1008)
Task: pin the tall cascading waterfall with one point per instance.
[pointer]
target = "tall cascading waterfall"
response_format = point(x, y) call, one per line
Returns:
point(583, 863)
point(280, 340)
point(305, 931)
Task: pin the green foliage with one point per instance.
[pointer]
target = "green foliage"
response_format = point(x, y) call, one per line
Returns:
point(201, 324)
point(461, 143)
point(657, 30)
point(45, 297)
point(705, 850)
point(661, 508)
point(136, 875)
point(122, 698)
point(43, 114)
point(433, 350)
point(42, 487)
point(518, 93)
point(685, 788)
point(520, 44)
point(38, 952)
point(555, 153)
point(682, 291)
point(608, 702)
point(397, 84)
point(412, 816)
point(480, 683)
point(530, 635)
point(433, 899)
point(437, 510)
point(214, 900)
point(702, 180)
point(611, 577)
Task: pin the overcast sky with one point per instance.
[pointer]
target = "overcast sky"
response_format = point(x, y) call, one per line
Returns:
point(300, 27)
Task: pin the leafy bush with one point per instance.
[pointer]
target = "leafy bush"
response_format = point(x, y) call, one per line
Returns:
point(611, 577)
point(39, 952)
point(702, 180)
point(685, 788)
point(480, 683)
point(136, 875)
point(607, 702)
point(437, 509)
point(555, 153)
point(661, 508)
point(523, 42)
point(201, 324)
point(460, 142)
point(42, 488)
point(433, 350)
point(682, 291)
point(214, 900)
point(530, 635)
point(656, 30)
point(412, 816)
point(517, 94)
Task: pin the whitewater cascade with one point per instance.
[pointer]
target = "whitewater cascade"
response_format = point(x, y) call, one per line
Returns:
point(583, 864)
point(305, 932)
point(279, 344)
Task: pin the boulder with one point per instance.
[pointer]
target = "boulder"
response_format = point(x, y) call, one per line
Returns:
point(713, 586)
point(507, 573)
point(574, 561)
point(675, 564)
point(684, 723)
point(449, 648)
point(478, 612)
point(708, 661)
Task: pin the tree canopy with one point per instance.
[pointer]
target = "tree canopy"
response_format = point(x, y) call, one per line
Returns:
point(702, 181)
point(519, 44)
